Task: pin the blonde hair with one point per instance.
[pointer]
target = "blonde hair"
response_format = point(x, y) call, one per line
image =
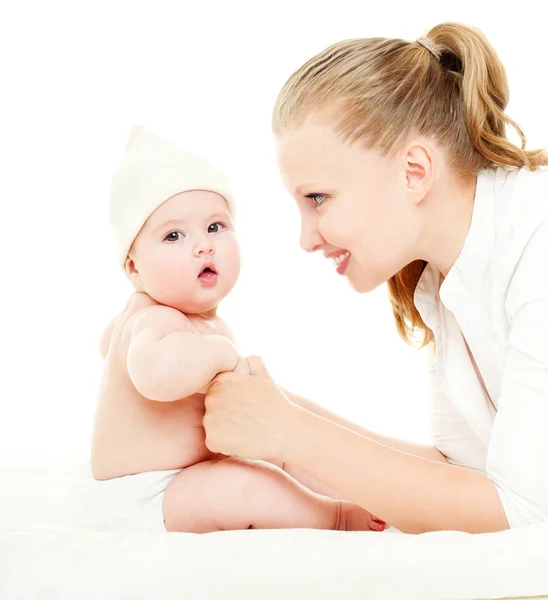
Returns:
point(379, 91)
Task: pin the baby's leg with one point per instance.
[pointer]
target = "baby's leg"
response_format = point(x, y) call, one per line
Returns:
point(231, 493)
point(320, 488)
point(307, 481)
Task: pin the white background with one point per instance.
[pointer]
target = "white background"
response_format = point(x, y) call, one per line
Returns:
point(76, 76)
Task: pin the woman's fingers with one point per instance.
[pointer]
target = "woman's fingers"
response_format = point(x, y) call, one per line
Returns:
point(246, 415)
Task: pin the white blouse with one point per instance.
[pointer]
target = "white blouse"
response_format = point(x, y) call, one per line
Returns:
point(495, 300)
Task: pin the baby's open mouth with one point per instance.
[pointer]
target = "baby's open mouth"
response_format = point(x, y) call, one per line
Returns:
point(208, 275)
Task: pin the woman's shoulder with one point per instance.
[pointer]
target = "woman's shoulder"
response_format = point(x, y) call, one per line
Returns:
point(529, 181)
point(521, 234)
point(520, 201)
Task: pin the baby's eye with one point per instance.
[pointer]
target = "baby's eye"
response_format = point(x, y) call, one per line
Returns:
point(317, 199)
point(174, 236)
point(216, 227)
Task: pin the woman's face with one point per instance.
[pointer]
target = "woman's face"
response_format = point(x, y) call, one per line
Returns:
point(354, 203)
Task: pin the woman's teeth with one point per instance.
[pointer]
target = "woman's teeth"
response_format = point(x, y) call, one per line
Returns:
point(337, 260)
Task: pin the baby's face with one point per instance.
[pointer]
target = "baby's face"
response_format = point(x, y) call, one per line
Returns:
point(186, 254)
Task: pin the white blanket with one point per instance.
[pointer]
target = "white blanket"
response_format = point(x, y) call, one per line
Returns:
point(48, 551)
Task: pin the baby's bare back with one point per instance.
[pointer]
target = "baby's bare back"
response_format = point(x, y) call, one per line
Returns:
point(133, 434)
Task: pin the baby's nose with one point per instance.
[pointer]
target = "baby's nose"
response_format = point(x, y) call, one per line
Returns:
point(204, 247)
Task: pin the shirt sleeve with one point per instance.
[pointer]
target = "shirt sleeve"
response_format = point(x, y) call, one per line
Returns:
point(451, 434)
point(517, 459)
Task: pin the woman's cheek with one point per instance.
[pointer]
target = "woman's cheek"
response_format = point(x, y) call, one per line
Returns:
point(336, 228)
point(326, 227)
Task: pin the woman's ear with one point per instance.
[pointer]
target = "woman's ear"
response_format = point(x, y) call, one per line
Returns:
point(418, 170)
point(132, 273)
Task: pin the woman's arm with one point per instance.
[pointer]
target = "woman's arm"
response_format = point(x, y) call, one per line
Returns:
point(424, 451)
point(413, 493)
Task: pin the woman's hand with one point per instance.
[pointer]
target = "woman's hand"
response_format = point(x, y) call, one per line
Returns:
point(247, 415)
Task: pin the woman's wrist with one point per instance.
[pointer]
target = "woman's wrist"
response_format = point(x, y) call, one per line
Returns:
point(293, 433)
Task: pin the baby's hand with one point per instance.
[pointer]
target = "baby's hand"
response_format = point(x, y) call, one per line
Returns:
point(242, 367)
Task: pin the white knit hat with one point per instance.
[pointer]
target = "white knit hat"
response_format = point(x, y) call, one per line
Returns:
point(153, 171)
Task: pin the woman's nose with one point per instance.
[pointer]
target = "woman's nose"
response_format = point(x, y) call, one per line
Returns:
point(311, 239)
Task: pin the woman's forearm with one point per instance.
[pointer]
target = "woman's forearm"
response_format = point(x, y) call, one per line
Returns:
point(403, 445)
point(412, 493)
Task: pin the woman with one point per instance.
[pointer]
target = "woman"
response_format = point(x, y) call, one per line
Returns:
point(397, 156)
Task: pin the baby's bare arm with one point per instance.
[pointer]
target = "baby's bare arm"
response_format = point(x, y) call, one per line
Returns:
point(167, 361)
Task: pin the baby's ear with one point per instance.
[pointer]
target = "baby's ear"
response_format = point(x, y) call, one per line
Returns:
point(132, 274)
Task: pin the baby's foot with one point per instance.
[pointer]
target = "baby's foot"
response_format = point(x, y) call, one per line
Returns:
point(352, 517)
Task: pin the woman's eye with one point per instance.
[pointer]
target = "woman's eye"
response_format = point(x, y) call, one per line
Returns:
point(216, 227)
point(174, 236)
point(317, 199)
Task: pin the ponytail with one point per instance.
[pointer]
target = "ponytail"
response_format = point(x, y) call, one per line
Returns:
point(484, 89)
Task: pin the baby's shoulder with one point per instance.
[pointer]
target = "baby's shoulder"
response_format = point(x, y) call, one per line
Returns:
point(141, 312)
point(146, 313)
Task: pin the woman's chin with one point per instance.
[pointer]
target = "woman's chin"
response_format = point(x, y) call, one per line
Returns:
point(364, 284)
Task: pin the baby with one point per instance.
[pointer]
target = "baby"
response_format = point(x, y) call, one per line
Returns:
point(172, 217)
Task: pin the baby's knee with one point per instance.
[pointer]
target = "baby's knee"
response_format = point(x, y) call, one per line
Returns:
point(177, 504)
point(237, 472)
point(246, 478)
point(218, 494)
point(189, 500)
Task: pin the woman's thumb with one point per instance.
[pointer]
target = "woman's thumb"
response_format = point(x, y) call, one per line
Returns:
point(257, 368)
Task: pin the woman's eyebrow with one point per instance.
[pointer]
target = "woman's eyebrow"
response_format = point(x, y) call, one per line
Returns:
point(299, 188)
